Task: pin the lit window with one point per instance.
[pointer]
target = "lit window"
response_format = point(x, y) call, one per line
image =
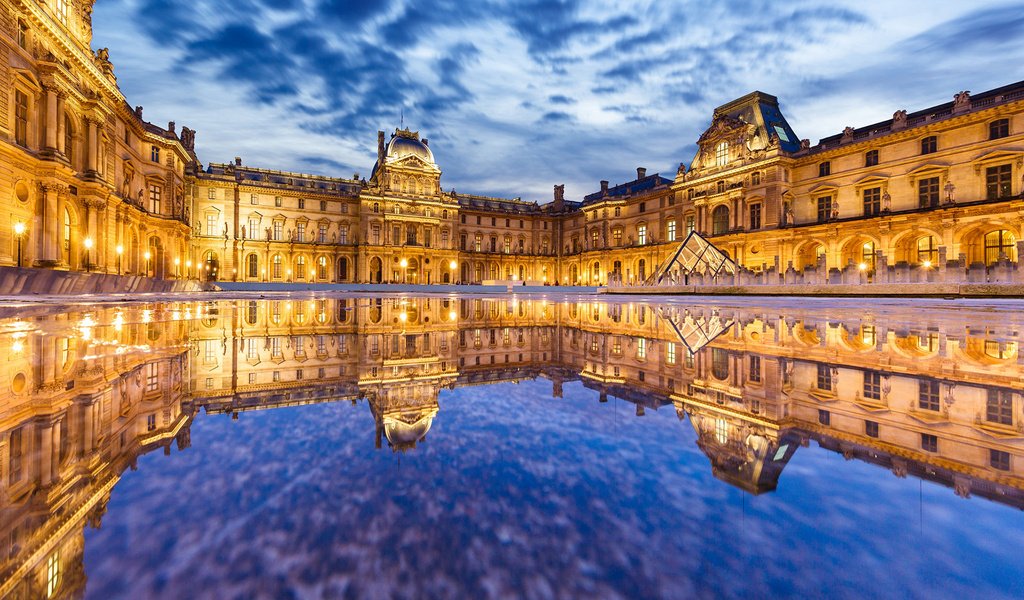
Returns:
point(154, 199)
point(62, 11)
point(53, 563)
point(721, 431)
point(211, 224)
point(722, 154)
point(998, 182)
point(152, 377)
point(641, 234)
point(641, 348)
point(926, 250)
point(997, 244)
point(672, 230)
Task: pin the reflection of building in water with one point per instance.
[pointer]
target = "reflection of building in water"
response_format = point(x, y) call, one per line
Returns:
point(89, 392)
point(934, 400)
point(92, 391)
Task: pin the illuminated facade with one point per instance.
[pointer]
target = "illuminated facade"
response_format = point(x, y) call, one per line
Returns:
point(91, 391)
point(92, 186)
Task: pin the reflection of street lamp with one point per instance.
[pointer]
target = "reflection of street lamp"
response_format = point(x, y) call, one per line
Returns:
point(147, 256)
point(120, 250)
point(19, 230)
point(88, 251)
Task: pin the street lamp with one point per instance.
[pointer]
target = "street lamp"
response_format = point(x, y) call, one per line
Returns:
point(177, 267)
point(120, 250)
point(188, 269)
point(405, 275)
point(147, 256)
point(453, 265)
point(19, 231)
point(88, 251)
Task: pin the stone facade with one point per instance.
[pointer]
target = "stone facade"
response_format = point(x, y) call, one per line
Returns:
point(91, 185)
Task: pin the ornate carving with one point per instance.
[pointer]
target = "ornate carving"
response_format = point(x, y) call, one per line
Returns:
point(899, 119)
point(962, 101)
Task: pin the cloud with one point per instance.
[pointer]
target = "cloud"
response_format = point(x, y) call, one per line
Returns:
point(478, 78)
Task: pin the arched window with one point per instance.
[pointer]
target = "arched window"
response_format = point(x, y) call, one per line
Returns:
point(376, 207)
point(342, 269)
point(278, 263)
point(927, 253)
point(596, 273)
point(722, 154)
point(300, 267)
point(867, 255)
point(321, 267)
point(720, 219)
point(998, 243)
point(253, 265)
point(641, 270)
point(67, 235)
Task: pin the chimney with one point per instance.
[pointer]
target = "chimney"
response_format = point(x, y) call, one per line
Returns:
point(559, 196)
point(604, 187)
point(380, 148)
point(641, 172)
point(171, 126)
point(425, 142)
point(238, 161)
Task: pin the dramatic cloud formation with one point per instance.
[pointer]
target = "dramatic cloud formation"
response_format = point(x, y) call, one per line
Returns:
point(517, 95)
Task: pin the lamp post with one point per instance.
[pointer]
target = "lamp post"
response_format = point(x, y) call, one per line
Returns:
point(19, 231)
point(177, 267)
point(147, 256)
point(453, 265)
point(188, 269)
point(88, 251)
point(405, 265)
point(119, 250)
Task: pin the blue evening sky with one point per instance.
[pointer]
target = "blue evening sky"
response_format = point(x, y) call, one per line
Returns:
point(517, 96)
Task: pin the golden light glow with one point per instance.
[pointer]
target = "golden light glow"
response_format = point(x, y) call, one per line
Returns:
point(863, 266)
point(119, 249)
point(177, 262)
point(19, 229)
point(452, 315)
point(17, 347)
point(453, 265)
point(927, 264)
point(404, 263)
point(403, 317)
point(147, 255)
point(87, 243)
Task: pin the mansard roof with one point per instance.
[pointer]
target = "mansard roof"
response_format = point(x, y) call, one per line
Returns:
point(899, 122)
point(515, 205)
point(631, 188)
point(761, 110)
point(301, 181)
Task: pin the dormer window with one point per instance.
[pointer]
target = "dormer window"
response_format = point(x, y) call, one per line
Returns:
point(722, 154)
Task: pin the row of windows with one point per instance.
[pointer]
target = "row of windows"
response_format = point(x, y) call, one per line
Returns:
point(997, 129)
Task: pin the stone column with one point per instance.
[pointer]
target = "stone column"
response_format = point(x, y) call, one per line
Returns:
point(45, 453)
point(61, 133)
point(93, 152)
point(51, 119)
point(89, 426)
point(46, 226)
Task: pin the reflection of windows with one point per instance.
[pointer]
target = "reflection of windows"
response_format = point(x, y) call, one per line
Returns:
point(210, 351)
point(150, 422)
point(641, 348)
point(824, 417)
point(670, 353)
point(872, 385)
point(928, 394)
point(755, 369)
point(721, 431)
point(16, 454)
point(929, 442)
point(719, 363)
point(999, 407)
point(824, 169)
point(152, 381)
point(824, 380)
point(999, 460)
point(53, 562)
point(871, 429)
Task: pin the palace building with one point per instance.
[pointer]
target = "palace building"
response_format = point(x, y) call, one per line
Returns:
point(90, 185)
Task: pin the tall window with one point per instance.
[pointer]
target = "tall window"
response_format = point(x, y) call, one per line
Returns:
point(720, 219)
point(254, 199)
point(755, 369)
point(253, 230)
point(53, 562)
point(641, 234)
point(670, 353)
point(641, 348)
point(16, 456)
point(278, 230)
point(929, 144)
point(154, 199)
point(999, 407)
point(926, 250)
point(253, 264)
point(824, 381)
point(211, 224)
point(321, 267)
point(300, 269)
point(321, 235)
point(152, 377)
point(690, 223)
point(871, 158)
point(672, 230)
point(872, 385)
point(343, 234)
point(997, 243)
point(928, 192)
point(21, 118)
point(278, 263)
point(154, 154)
point(998, 182)
point(824, 208)
point(300, 232)
point(824, 169)
point(23, 34)
point(722, 154)
point(928, 394)
point(999, 128)
point(872, 201)
point(62, 10)
point(616, 236)
point(719, 363)
point(755, 216)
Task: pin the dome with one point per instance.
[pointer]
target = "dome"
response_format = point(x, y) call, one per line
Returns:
point(403, 435)
point(402, 146)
